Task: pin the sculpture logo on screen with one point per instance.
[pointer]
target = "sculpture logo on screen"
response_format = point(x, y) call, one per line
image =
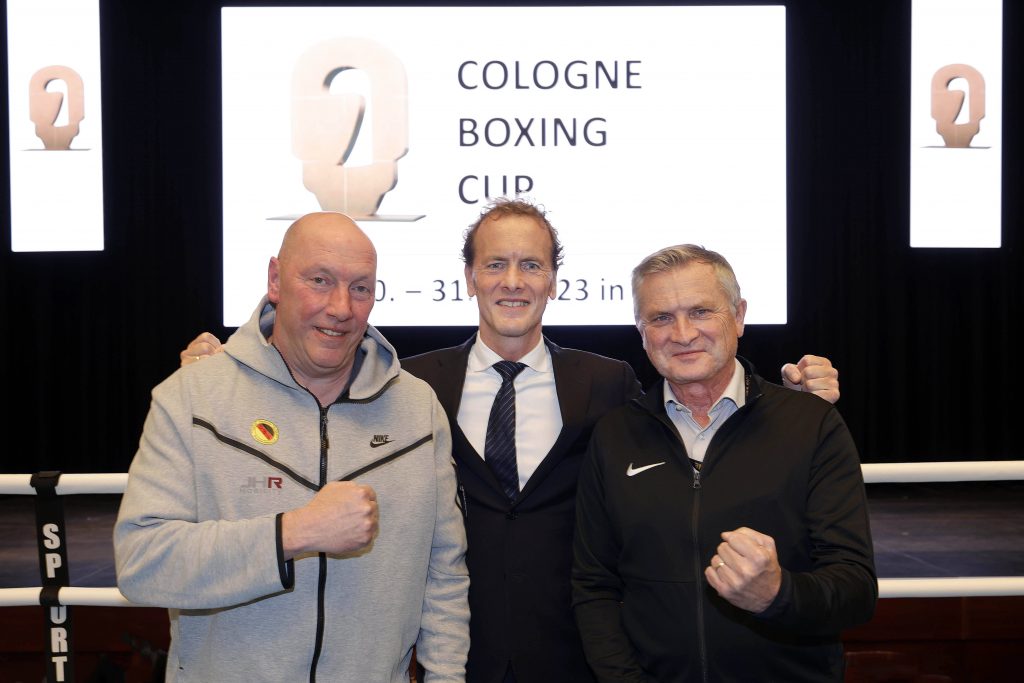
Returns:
point(325, 125)
point(44, 106)
point(947, 104)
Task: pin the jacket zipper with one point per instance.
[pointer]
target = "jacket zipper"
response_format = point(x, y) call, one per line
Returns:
point(322, 581)
point(694, 525)
point(701, 645)
point(324, 446)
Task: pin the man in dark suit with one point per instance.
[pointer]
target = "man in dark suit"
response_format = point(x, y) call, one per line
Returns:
point(520, 522)
point(521, 624)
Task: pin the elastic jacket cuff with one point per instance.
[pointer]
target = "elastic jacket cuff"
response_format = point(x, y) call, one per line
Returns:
point(782, 600)
point(285, 567)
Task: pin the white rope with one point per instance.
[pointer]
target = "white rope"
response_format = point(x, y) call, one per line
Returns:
point(981, 470)
point(874, 473)
point(68, 485)
point(958, 587)
point(68, 595)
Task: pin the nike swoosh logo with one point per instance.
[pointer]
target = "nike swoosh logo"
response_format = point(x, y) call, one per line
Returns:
point(631, 472)
point(375, 444)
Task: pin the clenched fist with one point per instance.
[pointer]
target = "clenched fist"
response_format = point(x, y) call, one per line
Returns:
point(341, 518)
point(813, 374)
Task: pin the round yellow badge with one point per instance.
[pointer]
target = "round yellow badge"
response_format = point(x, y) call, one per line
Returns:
point(264, 431)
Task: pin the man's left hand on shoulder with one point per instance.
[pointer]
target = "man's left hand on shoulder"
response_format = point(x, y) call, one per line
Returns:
point(745, 570)
point(813, 374)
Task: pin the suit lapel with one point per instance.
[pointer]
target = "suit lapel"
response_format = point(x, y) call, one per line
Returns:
point(452, 375)
point(452, 372)
point(573, 389)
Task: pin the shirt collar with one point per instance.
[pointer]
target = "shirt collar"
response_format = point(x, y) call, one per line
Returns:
point(735, 391)
point(482, 357)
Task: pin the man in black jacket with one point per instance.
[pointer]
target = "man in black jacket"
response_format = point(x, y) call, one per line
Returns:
point(722, 528)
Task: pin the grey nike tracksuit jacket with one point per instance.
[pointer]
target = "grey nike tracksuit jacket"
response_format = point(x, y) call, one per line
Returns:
point(232, 443)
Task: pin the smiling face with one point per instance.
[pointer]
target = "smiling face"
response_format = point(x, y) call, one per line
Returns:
point(689, 328)
point(512, 277)
point(322, 283)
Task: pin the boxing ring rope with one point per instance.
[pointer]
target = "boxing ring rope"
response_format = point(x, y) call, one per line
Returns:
point(68, 485)
point(57, 599)
point(874, 473)
point(950, 587)
point(905, 472)
point(67, 595)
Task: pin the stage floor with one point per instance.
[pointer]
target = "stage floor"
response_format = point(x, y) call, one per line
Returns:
point(920, 530)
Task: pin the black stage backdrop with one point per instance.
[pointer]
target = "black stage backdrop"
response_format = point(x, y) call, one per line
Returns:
point(922, 337)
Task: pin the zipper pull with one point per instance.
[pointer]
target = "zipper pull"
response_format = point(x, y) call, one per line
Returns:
point(696, 479)
point(324, 442)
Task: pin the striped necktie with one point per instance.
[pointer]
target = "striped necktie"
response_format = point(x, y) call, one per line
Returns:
point(500, 444)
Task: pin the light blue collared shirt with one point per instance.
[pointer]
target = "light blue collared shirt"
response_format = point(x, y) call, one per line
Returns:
point(695, 437)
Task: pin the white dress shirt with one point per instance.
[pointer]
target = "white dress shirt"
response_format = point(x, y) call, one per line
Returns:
point(538, 418)
point(695, 437)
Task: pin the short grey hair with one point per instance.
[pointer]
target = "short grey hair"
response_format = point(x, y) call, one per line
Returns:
point(670, 258)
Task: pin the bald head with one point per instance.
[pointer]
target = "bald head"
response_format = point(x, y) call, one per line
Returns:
point(322, 282)
point(322, 227)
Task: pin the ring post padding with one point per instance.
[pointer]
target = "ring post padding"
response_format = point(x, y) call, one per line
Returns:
point(53, 571)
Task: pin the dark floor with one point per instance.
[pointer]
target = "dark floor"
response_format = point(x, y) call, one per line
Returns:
point(948, 529)
point(920, 530)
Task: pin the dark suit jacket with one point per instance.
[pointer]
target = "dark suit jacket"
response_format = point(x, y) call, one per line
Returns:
point(520, 554)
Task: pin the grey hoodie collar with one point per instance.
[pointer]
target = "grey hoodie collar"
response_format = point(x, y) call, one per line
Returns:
point(249, 346)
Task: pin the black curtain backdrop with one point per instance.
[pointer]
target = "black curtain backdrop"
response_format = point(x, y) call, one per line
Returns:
point(922, 337)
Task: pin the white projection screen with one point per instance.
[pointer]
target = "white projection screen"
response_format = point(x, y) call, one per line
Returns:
point(636, 127)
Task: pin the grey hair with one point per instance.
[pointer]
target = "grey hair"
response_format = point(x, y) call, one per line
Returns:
point(670, 258)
